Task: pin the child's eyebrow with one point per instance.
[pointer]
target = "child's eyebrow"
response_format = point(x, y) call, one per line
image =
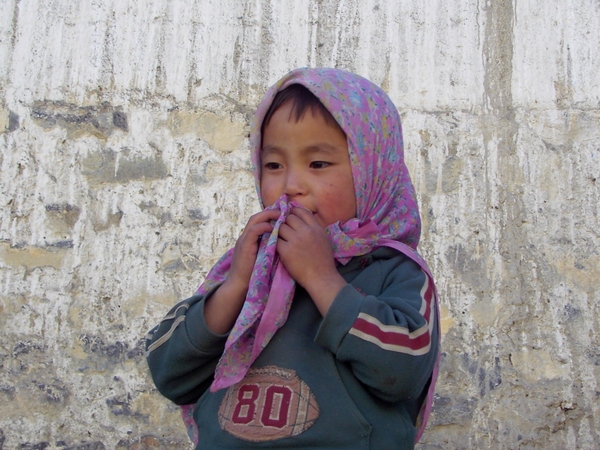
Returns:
point(269, 149)
point(322, 147)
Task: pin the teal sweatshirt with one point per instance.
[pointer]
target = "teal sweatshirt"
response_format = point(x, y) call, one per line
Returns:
point(354, 379)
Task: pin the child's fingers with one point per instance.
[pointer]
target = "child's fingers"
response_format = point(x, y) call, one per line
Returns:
point(259, 223)
point(294, 222)
point(307, 217)
point(246, 247)
point(305, 214)
point(300, 228)
point(258, 229)
point(285, 231)
point(263, 216)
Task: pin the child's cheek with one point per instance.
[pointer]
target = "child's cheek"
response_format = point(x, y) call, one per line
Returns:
point(268, 191)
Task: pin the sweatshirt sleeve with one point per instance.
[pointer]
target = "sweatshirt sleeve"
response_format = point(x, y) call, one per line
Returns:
point(390, 337)
point(182, 352)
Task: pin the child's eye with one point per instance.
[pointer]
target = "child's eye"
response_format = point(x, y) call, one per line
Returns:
point(318, 164)
point(272, 166)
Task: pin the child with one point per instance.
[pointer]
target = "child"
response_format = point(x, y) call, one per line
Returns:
point(319, 329)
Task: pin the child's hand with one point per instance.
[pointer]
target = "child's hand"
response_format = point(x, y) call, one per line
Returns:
point(246, 247)
point(223, 307)
point(304, 247)
point(306, 253)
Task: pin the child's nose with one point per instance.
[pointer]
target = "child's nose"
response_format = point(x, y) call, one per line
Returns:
point(295, 184)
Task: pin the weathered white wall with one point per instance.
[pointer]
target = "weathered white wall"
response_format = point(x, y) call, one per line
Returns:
point(125, 174)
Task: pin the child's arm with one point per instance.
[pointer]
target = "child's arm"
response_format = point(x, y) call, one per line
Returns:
point(182, 353)
point(390, 340)
point(183, 350)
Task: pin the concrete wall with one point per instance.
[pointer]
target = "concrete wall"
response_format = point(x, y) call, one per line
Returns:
point(125, 174)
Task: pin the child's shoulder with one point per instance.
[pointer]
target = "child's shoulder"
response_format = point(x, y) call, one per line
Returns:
point(387, 258)
point(384, 266)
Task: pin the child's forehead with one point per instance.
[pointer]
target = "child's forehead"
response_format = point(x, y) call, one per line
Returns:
point(310, 133)
point(288, 112)
point(298, 101)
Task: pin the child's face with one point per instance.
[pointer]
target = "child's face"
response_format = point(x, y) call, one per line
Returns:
point(308, 160)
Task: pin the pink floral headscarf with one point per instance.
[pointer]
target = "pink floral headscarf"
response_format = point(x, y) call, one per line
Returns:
point(387, 214)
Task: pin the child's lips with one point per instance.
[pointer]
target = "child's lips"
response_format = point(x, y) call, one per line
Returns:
point(297, 205)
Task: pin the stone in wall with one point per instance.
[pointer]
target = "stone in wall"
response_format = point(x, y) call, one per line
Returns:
point(9, 121)
point(99, 121)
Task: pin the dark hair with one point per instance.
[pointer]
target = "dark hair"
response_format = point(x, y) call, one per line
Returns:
point(302, 100)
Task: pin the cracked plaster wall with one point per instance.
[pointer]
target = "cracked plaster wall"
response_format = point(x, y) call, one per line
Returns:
point(125, 175)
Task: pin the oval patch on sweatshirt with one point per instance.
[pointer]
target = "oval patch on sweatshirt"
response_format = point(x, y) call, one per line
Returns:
point(269, 403)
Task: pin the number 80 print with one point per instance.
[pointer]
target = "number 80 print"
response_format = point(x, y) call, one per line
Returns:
point(269, 403)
